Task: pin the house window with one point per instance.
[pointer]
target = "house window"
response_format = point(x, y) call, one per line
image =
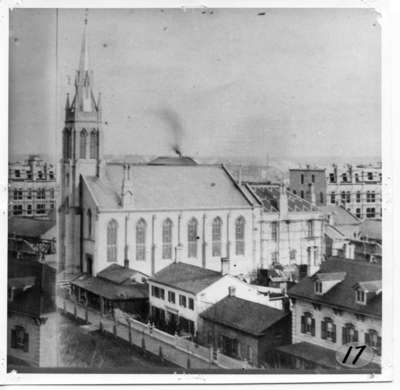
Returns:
point(52, 193)
point(17, 173)
point(216, 236)
point(182, 300)
point(83, 143)
point(229, 346)
point(302, 194)
point(89, 217)
point(321, 197)
point(302, 179)
point(158, 292)
point(112, 232)
point(343, 196)
point(274, 231)
point(29, 194)
point(40, 175)
point(141, 240)
point(373, 340)
point(171, 297)
point(308, 324)
point(19, 339)
point(29, 209)
point(372, 197)
point(310, 229)
point(358, 213)
point(361, 297)
point(318, 287)
point(192, 238)
point(15, 195)
point(167, 239)
point(191, 304)
point(93, 144)
point(332, 177)
point(328, 330)
point(274, 257)
point(239, 235)
point(313, 178)
point(344, 177)
point(348, 197)
point(41, 193)
point(358, 197)
point(292, 255)
point(370, 176)
point(349, 334)
point(371, 212)
point(17, 209)
point(40, 209)
point(51, 175)
point(357, 177)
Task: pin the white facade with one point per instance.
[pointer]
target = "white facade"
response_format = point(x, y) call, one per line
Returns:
point(207, 297)
point(363, 324)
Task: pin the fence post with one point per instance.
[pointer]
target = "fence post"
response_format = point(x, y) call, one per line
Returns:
point(129, 332)
point(101, 326)
point(75, 309)
point(160, 354)
point(115, 328)
point(143, 345)
point(188, 363)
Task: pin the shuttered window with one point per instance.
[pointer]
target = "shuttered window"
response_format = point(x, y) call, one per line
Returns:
point(328, 330)
point(307, 324)
point(349, 334)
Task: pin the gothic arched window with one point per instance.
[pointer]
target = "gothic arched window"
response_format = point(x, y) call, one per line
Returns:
point(93, 144)
point(239, 235)
point(83, 143)
point(167, 239)
point(141, 240)
point(192, 238)
point(89, 216)
point(112, 235)
point(216, 236)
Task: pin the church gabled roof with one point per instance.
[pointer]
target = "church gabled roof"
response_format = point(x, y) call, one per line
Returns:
point(177, 187)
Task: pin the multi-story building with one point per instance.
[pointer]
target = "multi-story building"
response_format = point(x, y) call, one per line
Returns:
point(32, 188)
point(357, 188)
point(340, 304)
point(309, 184)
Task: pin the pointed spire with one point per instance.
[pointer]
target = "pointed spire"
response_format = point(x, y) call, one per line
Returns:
point(84, 59)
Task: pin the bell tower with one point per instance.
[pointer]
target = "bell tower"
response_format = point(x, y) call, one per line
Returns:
point(82, 155)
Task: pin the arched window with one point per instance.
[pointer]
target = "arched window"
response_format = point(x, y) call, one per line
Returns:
point(67, 143)
point(83, 143)
point(141, 240)
point(93, 144)
point(239, 235)
point(167, 239)
point(112, 235)
point(89, 216)
point(192, 238)
point(216, 236)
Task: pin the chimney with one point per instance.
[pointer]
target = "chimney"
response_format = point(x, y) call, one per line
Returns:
point(232, 291)
point(178, 253)
point(283, 202)
point(224, 265)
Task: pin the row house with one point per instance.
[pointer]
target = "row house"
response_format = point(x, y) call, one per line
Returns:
point(340, 304)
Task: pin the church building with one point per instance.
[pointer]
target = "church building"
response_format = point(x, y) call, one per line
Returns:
point(145, 216)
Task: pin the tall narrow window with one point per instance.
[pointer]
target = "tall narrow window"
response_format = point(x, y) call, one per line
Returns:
point(216, 236)
point(310, 229)
point(192, 238)
point(83, 143)
point(274, 231)
point(93, 144)
point(141, 240)
point(239, 235)
point(167, 239)
point(112, 235)
point(89, 223)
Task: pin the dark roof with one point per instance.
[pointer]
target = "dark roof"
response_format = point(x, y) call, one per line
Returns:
point(186, 277)
point(22, 246)
point(192, 187)
point(109, 290)
point(117, 274)
point(168, 160)
point(320, 356)
point(342, 295)
point(29, 227)
point(38, 299)
point(270, 195)
point(245, 316)
point(330, 276)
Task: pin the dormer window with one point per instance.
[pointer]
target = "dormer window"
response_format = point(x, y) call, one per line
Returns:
point(318, 287)
point(361, 297)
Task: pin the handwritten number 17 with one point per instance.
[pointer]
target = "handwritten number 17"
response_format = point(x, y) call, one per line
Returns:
point(361, 348)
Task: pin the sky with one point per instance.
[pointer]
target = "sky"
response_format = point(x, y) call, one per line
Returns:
point(287, 83)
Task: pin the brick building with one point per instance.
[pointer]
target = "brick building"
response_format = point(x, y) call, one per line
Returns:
point(31, 188)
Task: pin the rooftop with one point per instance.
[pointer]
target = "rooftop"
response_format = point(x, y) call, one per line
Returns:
point(269, 195)
point(115, 273)
point(371, 229)
point(169, 187)
point(186, 277)
point(246, 316)
point(29, 227)
point(168, 160)
point(342, 295)
point(340, 215)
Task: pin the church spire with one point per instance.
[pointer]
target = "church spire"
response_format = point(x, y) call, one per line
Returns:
point(84, 59)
